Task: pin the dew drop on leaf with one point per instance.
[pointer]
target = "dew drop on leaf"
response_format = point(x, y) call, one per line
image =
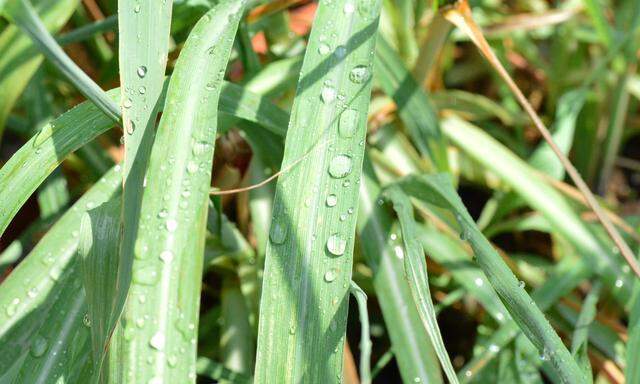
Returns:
point(142, 71)
point(336, 244)
point(340, 166)
point(39, 346)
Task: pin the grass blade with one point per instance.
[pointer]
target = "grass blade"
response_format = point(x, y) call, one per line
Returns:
point(580, 341)
point(22, 13)
point(309, 256)
point(416, 270)
point(365, 339)
point(413, 351)
point(438, 190)
point(20, 59)
point(170, 234)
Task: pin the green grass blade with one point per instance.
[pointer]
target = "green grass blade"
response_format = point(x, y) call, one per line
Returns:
point(514, 172)
point(20, 59)
point(171, 233)
point(416, 271)
point(365, 338)
point(34, 161)
point(22, 13)
point(143, 44)
point(438, 190)
point(580, 341)
point(216, 371)
point(414, 108)
point(632, 371)
point(45, 292)
point(309, 257)
point(409, 339)
point(98, 249)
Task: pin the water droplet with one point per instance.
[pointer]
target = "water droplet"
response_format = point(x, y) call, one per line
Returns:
point(348, 8)
point(521, 284)
point(278, 232)
point(336, 245)
point(348, 123)
point(200, 148)
point(192, 167)
point(157, 341)
point(340, 166)
point(127, 103)
point(467, 373)
point(330, 276)
point(141, 250)
point(324, 48)
point(142, 90)
point(172, 360)
point(171, 225)
point(464, 235)
point(210, 86)
point(292, 330)
point(163, 213)
point(332, 200)
point(341, 51)
point(359, 74)
point(393, 237)
point(39, 346)
point(166, 256)
point(619, 283)
point(343, 217)
point(494, 348)
point(399, 252)
point(416, 380)
point(499, 316)
point(136, 9)
point(479, 282)
point(145, 276)
point(142, 71)
point(328, 94)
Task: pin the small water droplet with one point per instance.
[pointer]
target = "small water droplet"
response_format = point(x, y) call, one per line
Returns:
point(399, 252)
point(416, 380)
point(157, 341)
point(619, 283)
point(479, 282)
point(348, 123)
point(348, 8)
point(192, 167)
point(340, 166)
point(324, 48)
point(142, 71)
point(136, 9)
point(142, 90)
point(340, 52)
point(330, 276)
point(494, 348)
point(166, 256)
point(86, 320)
point(32, 292)
point(39, 346)
point(171, 225)
point(336, 244)
point(127, 103)
point(328, 94)
point(278, 232)
point(332, 200)
point(163, 213)
point(359, 74)
point(145, 276)
point(521, 284)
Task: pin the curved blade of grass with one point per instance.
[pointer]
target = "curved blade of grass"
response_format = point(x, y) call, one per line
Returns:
point(632, 371)
point(237, 343)
point(171, 232)
point(34, 161)
point(515, 172)
point(409, 339)
point(309, 256)
point(414, 107)
point(43, 298)
point(20, 59)
point(580, 340)
point(416, 270)
point(21, 12)
point(438, 190)
point(98, 249)
point(365, 338)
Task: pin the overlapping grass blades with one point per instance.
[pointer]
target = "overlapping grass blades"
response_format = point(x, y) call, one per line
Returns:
point(439, 191)
point(309, 256)
point(169, 241)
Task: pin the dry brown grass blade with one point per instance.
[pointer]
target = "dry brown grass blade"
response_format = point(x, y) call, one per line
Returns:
point(460, 15)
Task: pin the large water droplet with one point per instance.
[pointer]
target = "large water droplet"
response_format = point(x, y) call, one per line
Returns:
point(359, 74)
point(340, 166)
point(39, 346)
point(328, 94)
point(278, 232)
point(142, 71)
point(332, 200)
point(340, 52)
point(348, 123)
point(336, 244)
